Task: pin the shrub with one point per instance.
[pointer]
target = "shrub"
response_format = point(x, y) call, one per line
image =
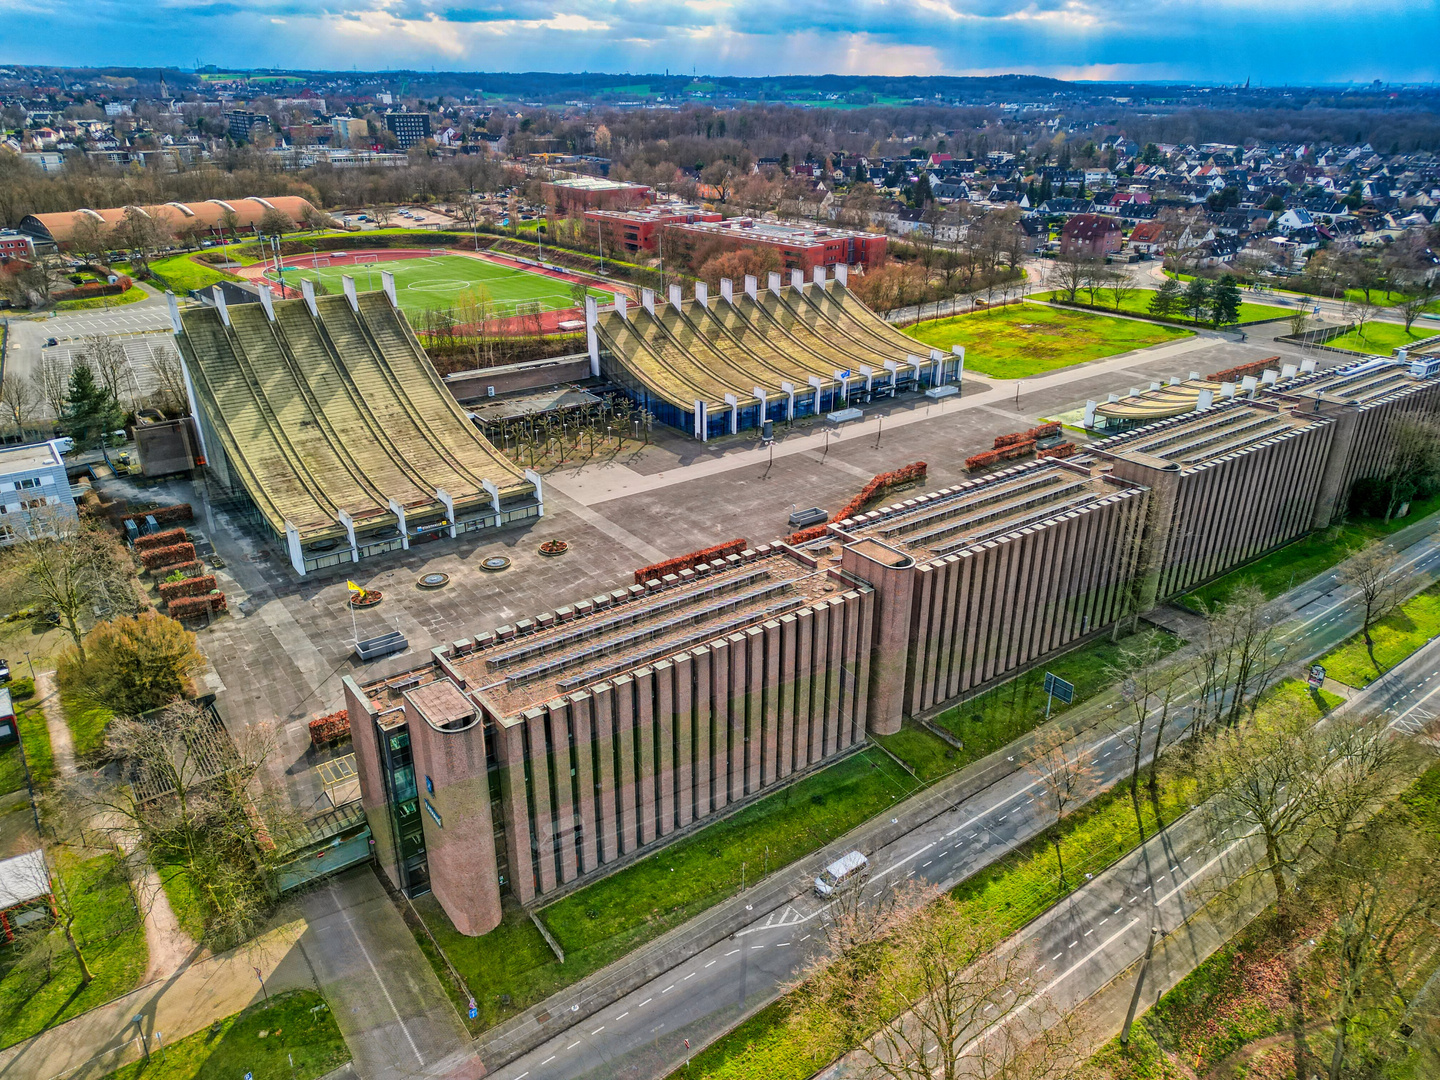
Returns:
point(687, 562)
point(1064, 450)
point(23, 687)
point(192, 607)
point(163, 515)
point(192, 586)
point(132, 664)
point(330, 727)
point(157, 558)
point(167, 538)
point(903, 475)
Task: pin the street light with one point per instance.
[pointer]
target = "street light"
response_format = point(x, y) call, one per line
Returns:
point(138, 1020)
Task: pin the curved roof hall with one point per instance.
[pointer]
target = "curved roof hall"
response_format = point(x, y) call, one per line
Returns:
point(59, 227)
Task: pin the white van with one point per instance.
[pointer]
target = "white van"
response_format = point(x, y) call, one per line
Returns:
point(842, 873)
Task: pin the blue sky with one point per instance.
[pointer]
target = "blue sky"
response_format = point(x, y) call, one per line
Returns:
point(1277, 41)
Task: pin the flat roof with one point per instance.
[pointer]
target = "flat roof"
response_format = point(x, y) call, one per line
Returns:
point(1158, 403)
point(957, 519)
point(598, 639)
point(23, 878)
point(1207, 436)
point(1358, 383)
point(29, 457)
point(596, 183)
point(775, 232)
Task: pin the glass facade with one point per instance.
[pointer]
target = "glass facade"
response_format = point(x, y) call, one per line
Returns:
point(409, 833)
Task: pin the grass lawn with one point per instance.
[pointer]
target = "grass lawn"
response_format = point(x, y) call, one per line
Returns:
point(989, 721)
point(1138, 303)
point(438, 281)
point(258, 1041)
point(181, 273)
point(1003, 897)
point(34, 737)
point(1382, 338)
point(604, 921)
point(1295, 563)
point(189, 905)
point(1395, 637)
point(87, 723)
point(95, 303)
point(930, 756)
point(1027, 339)
point(112, 938)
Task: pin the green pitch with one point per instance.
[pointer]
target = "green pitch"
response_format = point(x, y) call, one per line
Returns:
point(437, 281)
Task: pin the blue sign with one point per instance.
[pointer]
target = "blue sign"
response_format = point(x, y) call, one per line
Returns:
point(474, 1013)
point(1058, 687)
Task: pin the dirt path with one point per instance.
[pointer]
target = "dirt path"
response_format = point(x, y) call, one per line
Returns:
point(60, 742)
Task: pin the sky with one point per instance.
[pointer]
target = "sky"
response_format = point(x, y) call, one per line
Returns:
point(1212, 41)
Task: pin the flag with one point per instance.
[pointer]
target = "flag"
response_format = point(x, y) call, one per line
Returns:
point(353, 587)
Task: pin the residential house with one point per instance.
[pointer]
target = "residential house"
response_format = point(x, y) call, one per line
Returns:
point(1091, 235)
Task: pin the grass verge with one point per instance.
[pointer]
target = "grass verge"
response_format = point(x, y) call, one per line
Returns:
point(189, 905)
point(511, 968)
point(990, 720)
point(1027, 339)
point(93, 303)
point(40, 986)
point(1396, 636)
point(259, 1041)
point(181, 273)
point(927, 755)
point(1306, 558)
point(87, 722)
point(1382, 338)
point(1138, 304)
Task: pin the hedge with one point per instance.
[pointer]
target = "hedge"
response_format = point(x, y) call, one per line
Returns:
point(158, 558)
point(160, 539)
point(191, 607)
point(163, 515)
point(987, 458)
point(689, 562)
point(189, 569)
point(330, 727)
point(916, 470)
point(1064, 450)
point(193, 586)
point(92, 289)
point(1235, 374)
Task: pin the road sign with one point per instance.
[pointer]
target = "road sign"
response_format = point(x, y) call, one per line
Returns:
point(1058, 687)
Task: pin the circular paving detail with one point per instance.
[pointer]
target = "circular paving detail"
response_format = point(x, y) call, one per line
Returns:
point(434, 581)
point(495, 563)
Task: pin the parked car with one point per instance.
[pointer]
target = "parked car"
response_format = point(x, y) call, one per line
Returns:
point(51, 341)
point(4, 671)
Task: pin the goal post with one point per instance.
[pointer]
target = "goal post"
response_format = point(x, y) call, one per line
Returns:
point(366, 259)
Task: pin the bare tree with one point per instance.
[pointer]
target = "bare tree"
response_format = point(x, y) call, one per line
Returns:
point(1067, 775)
point(937, 1000)
point(1420, 291)
point(53, 379)
point(90, 238)
point(164, 367)
point(64, 566)
point(106, 356)
point(1414, 460)
point(20, 398)
point(1299, 319)
point(1069, 273)
point(1239, 655)
point(1149, 687)
point(1381, 577)
point(1120, 287)
point(1360, 313)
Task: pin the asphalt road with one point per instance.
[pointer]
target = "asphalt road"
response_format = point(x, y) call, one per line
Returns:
point(644, 1033)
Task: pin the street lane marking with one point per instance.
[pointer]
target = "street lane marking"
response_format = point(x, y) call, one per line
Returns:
point(732, 952)
point(573, 1045)
point(621, 1016)
point(645, 1002)
point(598, 1030)
point(712, 963)
point(548, 1060)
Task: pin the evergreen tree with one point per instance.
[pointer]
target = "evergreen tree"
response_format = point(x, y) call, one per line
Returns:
point(1197, 297)
point(1225, 302)
point(920, 193)
point(1166, 301)
point(90, 409)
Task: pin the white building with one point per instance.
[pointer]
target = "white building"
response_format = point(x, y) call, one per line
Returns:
point(32, 478)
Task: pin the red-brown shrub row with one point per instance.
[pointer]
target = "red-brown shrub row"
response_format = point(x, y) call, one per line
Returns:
point(163, 515)
point(1015, 450)
point(903, 475)
point(1065, 449)
point(160, 539)
point(93, 288)
point(190, 607)
point(1043, 431)
point(158, 558)
point(1235, 374)
point(689, 562)
point(189, 569)
point(804, 536)
point(328, 728)
point(982, 460)
point(195, 586)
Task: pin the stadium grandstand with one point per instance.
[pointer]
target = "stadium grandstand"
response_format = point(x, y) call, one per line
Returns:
point(198, 218)
point(332, 432)
point(719, 366)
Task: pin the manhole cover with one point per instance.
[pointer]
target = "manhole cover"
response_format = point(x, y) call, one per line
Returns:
point(433, 581)
point(495, 562)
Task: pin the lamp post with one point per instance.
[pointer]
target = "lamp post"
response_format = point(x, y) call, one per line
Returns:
point(138, 1020)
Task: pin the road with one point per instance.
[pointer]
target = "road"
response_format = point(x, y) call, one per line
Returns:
point(643, 1034)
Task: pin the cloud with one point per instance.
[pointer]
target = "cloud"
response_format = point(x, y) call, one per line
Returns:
point(1204, 40)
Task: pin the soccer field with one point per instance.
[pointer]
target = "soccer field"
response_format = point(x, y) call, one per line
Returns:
point(437, 281)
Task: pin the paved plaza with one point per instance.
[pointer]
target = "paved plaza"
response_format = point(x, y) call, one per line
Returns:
point(279, 656)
